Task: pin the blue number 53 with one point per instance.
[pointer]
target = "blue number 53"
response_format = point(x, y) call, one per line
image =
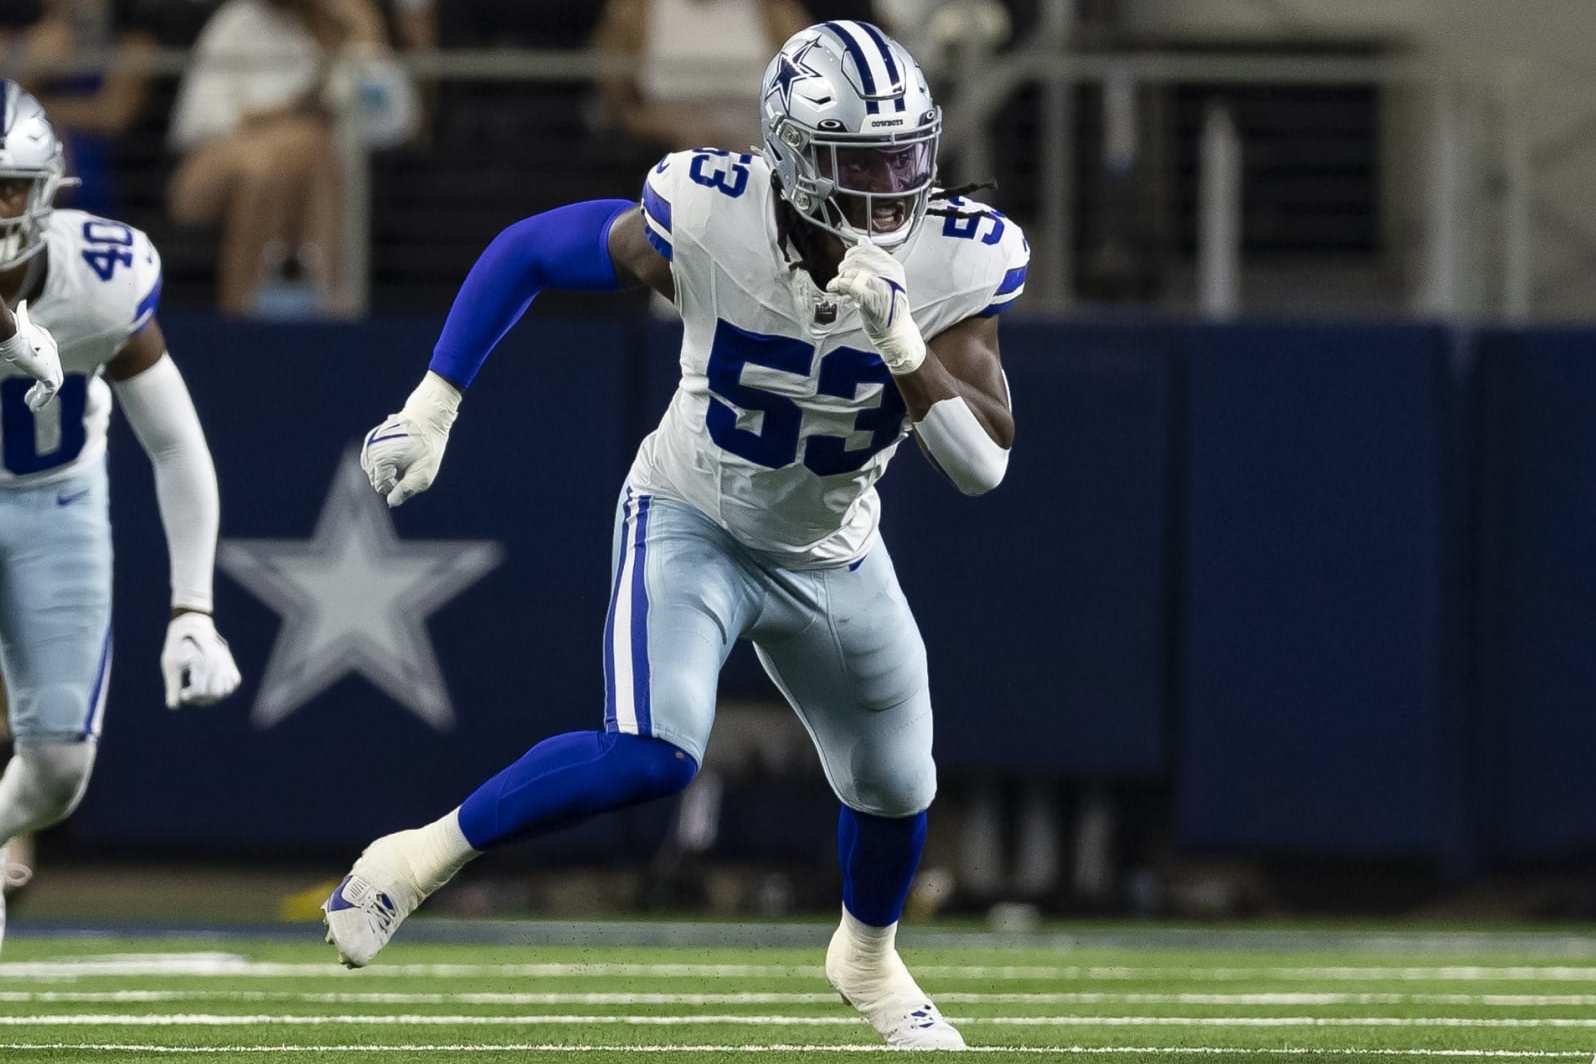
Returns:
point(719, 169)
point(775, 444)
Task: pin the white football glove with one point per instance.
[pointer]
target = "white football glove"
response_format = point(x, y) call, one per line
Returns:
point(196, 663)
point(401, 455)
point(874, 279)
point(32, 350)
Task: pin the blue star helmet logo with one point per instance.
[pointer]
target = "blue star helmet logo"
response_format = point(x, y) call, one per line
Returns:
point(790, 69)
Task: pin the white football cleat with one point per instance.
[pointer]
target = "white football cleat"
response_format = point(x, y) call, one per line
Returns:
point(12, 877)
point(877, 983)
point(373, 900)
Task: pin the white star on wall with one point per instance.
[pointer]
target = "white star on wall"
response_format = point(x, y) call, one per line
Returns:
point(355, 598)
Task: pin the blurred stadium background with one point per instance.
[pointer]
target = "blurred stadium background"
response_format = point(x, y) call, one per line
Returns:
point(1285, 608)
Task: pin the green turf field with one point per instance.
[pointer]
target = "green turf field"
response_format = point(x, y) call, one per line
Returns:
point(129, 999)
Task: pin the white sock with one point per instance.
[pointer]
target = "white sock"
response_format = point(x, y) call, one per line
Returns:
point(866, 940)
point(441, 850)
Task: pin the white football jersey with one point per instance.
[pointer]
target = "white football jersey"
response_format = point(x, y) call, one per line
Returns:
point(102, 286)
point(785, 416)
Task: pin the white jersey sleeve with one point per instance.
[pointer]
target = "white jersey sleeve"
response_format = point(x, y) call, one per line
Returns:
point(146, 277)
point(659, 214)
point(973, 259)
point(104, 285)
point(696, 215)
point(126, 289)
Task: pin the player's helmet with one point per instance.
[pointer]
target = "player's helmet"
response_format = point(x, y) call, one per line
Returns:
point(851, 132)
point(30, 152)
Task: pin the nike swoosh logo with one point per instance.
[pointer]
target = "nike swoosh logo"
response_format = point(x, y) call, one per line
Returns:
point(68, 500)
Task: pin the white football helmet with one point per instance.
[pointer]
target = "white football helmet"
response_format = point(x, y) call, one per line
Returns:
point(29, 151)
point(851, 132)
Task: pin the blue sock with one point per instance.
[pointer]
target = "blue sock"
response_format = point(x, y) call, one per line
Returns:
point(878, 855)
point(568, 778)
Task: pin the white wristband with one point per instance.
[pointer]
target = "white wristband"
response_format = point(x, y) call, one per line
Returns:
point(971, 458)
point(435, 402)
point(904, 353)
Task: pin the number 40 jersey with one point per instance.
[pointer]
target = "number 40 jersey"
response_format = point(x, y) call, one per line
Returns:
point(102, 286)
point(785, 416)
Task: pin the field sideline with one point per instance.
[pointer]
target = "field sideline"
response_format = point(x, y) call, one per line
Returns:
point(116, 998)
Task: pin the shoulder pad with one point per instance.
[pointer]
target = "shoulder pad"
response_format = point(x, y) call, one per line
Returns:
point(687, 188)
point(969, 261)
point(118, 267)
point(989, 249)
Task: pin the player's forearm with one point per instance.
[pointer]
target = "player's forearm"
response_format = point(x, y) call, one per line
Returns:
point(563, 248)
point(966, 430)
point(163, 418)
point(933, 383)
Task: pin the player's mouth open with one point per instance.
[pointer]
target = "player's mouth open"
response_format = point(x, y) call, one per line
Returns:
point(886, 217)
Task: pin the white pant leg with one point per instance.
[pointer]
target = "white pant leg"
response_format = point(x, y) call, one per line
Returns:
point(681, 595)
point(847, 654)
point(55, 607)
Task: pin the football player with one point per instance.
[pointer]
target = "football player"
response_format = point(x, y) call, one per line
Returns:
point(826, 317)
point(85, 288)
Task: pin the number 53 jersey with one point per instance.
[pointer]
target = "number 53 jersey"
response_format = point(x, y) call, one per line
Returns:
point(102, 286)
point(785, 416)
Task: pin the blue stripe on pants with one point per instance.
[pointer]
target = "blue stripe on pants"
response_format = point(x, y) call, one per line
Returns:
point(640, 686)
point(100, 676)
point(609, 618)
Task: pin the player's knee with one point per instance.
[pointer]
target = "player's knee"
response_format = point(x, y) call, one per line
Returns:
point(891, 787)
point(654, 767)
point(890, 771)
point(55, 776)
point(894, 798)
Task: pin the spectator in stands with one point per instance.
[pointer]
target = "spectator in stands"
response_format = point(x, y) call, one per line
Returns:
point(255, 128)
point(696, 61)
point(87, 109)
point(415, 24)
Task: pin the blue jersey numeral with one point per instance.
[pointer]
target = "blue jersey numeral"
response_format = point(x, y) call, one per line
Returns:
point(842, 373)
point(966, 226)
point(730, 178)
point(104, 260)
point(775, 443)
point(19, 443)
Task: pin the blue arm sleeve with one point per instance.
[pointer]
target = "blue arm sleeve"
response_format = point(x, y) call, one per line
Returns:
point(567, 247)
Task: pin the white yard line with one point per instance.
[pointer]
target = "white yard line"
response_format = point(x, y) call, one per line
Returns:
point(224, 965)
point(746, 1020)
point(381, 998)
point(957, 997)
point(211, 968)
point(559, 1047)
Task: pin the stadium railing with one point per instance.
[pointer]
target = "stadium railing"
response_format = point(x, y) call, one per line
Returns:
point(1481, 180)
